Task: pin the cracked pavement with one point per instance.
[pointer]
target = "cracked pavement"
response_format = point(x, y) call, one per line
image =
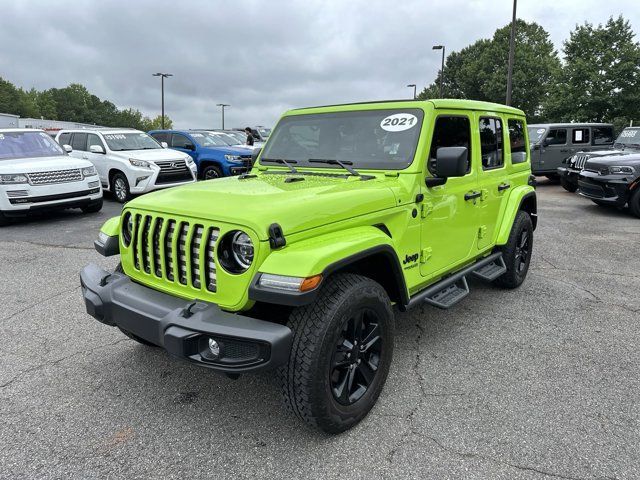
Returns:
point(540, 382)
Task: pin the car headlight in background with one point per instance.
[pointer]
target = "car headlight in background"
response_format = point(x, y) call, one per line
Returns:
point(127, 229)
point(13, 178)
point(139, 163)
point(89, 171)
point(622, 170)
point(236, 251)
point(233, 158)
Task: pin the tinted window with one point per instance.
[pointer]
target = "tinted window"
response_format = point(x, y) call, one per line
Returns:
point(64, 138)
point(580, 135)
point(180, 141)
point(557, 136)
point(602, 135)
point(161, 137)
point(79, 141)
point(93, 139)
point(450, 132)
point(517, 141)
point(491, 142)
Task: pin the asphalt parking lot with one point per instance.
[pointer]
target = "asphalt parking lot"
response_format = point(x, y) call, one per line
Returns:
point(541, 382)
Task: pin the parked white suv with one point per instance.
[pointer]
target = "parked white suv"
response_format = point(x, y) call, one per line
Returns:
point(37, 174)
point(129, 161)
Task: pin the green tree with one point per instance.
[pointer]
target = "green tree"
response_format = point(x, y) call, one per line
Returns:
point(28, 104)
point(9, 98)
point(479, 71)
point(600, 78)
point(156, 123)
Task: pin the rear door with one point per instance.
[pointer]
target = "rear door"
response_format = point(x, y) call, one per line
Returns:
point(601, 137)
point(580, 139)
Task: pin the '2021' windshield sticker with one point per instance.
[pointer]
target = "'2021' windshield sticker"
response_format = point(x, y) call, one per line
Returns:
point(629, 133)
point(398, 122)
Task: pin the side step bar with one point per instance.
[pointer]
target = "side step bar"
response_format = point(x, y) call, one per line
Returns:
point(450, 290)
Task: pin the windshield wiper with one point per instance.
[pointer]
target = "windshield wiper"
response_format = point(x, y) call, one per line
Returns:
point(281, 161)
point(346, 164)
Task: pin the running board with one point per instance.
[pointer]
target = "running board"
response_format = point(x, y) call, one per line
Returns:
point(450, 290)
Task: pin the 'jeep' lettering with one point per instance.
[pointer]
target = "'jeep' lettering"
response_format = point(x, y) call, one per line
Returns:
point(410, 258)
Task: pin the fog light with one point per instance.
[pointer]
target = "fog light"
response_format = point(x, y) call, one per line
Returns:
point(214, 348)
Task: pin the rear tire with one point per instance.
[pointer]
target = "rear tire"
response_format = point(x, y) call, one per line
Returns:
point(341, 353)
point(568, 186)
point(94, 207)
point(634, 203)
point(517, 252)
point(211, 172)
point(120, 187)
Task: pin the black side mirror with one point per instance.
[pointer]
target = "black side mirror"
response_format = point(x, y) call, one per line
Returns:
point(190, 146)
point(451, 162)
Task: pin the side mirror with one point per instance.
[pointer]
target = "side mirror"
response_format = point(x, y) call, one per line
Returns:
point(451, 162)
point(164, 144)
point(67, 148)
point(190, 146)
point(96, 149)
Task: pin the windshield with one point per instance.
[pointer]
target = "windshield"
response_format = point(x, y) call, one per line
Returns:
point(241, 137)
point(206, 139)
point(224, 138)
point(629, 137)
point(119, 142)
point(264, 132)
point(535, 134)
point(377, 139)
point(28, 145)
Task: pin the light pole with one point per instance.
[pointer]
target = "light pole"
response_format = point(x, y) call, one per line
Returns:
point(414, 89)
point(512, 48)
point(162, 77)
point(441, 47)
point(223, 105)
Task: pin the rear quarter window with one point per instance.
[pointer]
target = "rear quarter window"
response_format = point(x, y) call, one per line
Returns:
point(517, 141)
point(602, 136)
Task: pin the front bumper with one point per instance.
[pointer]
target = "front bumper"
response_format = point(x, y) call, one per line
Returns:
point(183, 328)
point(570, 175)
point(610, 189)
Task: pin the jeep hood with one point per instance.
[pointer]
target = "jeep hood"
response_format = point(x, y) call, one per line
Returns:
point(260, 201)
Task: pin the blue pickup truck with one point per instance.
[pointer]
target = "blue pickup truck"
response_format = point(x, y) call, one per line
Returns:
point(213, 156)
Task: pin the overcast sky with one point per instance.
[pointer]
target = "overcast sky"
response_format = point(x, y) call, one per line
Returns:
point(262, 57)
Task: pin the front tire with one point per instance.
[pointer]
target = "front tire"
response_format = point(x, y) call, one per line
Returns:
point(341, 353)
point(517, 252)
point(211, 172)
point(568, 186)
point(94, 207)
point(634, 203)
point(4, 221)
point(120, 187)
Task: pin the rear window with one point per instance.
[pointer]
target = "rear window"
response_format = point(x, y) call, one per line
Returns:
point(491, 142)
point(580, 135)
point(517, 141)
point(602, 136)
point(79, 141)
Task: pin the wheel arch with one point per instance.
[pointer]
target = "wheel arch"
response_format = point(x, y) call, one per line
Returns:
point(523, 198)
point(112, 172)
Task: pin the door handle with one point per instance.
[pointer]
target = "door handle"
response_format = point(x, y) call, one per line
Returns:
point(472, 195)
point(503, 186)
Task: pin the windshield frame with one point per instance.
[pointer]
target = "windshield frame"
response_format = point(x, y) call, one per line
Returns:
point(106, 139)
point(59, 151)
point(358, 164)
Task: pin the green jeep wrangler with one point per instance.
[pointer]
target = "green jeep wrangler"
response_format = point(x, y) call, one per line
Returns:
point(296, 265)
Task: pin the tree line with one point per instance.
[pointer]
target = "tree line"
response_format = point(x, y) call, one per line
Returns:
point(597, 78)
point(73, 103)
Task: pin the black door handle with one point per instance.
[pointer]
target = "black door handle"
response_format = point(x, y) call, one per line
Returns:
point(472, 196)
point(503, 186)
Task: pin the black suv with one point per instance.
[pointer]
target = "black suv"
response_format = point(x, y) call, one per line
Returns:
point(628, 142)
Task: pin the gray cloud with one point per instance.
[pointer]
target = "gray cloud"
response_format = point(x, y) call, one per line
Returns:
point(261, 57)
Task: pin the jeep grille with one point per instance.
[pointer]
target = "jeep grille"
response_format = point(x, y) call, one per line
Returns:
point(172, 249)
point(578, 161)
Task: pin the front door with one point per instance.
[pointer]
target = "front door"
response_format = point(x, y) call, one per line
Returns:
point(554, 148)
point(449, 221)
point(98, 159)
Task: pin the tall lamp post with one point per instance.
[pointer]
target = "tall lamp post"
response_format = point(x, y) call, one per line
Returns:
point(441, 47)
point(414, 89)
point(223, 105)
point(512, 48)
point(162, 77)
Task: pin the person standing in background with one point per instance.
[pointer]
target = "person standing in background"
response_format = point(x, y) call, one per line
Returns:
point(250, 138)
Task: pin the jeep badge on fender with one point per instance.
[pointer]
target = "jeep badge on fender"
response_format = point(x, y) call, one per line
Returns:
point(295, 266)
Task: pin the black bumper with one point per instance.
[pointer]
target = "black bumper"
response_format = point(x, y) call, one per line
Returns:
point(610, 189)
point(183, 328)
point(570, 175)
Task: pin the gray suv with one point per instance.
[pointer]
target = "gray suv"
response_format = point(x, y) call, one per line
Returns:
point(551, 143)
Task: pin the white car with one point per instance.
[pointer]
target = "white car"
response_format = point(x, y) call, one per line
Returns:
point(37, 174)
point(129, 161)
point(241, 138)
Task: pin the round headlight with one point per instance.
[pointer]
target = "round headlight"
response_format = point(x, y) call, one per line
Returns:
point(127, 228)
point(235, 252)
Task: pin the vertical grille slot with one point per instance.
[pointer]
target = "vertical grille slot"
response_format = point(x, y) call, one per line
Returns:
point(168, 249)
point(157, 253)
point(182, 252)
point(196, 241)
point(144, 240)
point(134, 242)
point(210, 265)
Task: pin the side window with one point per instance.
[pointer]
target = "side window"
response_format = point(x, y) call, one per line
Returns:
point(556, 136)
point(64, 138)
point(580, 135)
point(94, 139)
point(492, 143)
point(180, 141)
point(450, 132)
point(517, 141)
point(602, 136)
point(79, 141)
point(161, 137)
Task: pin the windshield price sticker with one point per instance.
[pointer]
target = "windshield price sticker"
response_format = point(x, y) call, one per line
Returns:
point(540, 131)
point(398, 122)
point(115, 137)
point(197, 135)
point(628, 133)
